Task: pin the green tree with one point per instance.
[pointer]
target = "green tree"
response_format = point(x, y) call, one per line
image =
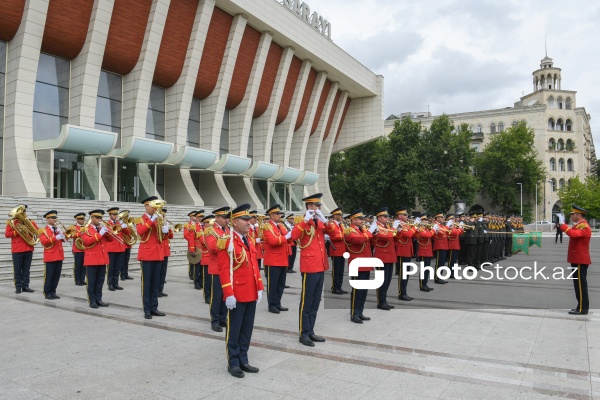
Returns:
point(508, 159)
point(585, 194)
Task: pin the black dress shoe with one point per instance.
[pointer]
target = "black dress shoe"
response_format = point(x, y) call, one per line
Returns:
point(576, 312)
point(129, 278)
point(94, 305)
point(316, 338)
point(223, 324)
point(111, 288)
point(102, 304)
point(49, 297)
point(274, 310)
point(440, 281)
point(236, 371)
point(356, 320)
point(337, 291)
point(80, 284)
point(55, 297)
point(163, 294)
point(27, 290)
point(147, 315)
point(344, 291)
point(389, 305)
point(364, 318)
point(18, 290)
point(291, 271)
point(424, 289)
point(160, 294)
point(383, 307)
point(428, 288)
point(282, 308)
point(123, 278)
point(118, 287)
point(249, 368)
point(216, 328)
point(404, 297)
point(306, 341)
point(286, 287)
point(158, 313)
point(410, 298)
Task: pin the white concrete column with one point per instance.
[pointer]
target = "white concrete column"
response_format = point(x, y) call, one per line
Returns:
point(85, 68)
point(179, 97)
point(213, 107)
point(180, 189)
point(20, 173)
point(315, 141)
point(264, 126)
point(138, 83)
point(300, 140)
point(284, 132)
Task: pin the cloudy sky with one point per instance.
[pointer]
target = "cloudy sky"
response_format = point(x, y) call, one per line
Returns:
point(468, 55)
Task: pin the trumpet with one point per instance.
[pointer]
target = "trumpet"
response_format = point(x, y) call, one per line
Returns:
point(65, 231)
point(158, 206)
point(175, 227)
point(131, 237)
point(113, 230)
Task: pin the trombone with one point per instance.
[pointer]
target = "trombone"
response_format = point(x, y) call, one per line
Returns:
point(65, 231)
point(113, 230)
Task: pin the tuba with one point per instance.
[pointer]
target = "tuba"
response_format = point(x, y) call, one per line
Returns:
point(158, 206)
point(25, 228)
point(79, 241)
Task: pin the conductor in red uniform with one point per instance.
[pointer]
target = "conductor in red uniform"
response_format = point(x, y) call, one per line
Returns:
point(404, 250)
point(52, 239)
point(310, 234)
point(579, 255)
point(22, 254)
point(95, 239)
point(276, 246)
point(242, 289)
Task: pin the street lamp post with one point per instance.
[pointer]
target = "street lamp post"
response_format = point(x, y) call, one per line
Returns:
point(520, 184)
point(536, 204)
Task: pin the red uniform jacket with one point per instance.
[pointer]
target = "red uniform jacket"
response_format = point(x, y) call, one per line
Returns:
point(167, 243)
point(383, 243)
point(246, 275)
point(440, 237)
point(202, 243)
point(189, 234)
point(311, 237)
point(276, 246)
point(357, 244)
point(253, 234)
point(150, 248)
point(115, 246)
point(96, 253)
point(336, 235)
point(404, 243)
point(579, 245)
point(53, 248)
point(76, 234)
point(211, 243)
point(424, 240)
point(454, 239)
point(17, 244)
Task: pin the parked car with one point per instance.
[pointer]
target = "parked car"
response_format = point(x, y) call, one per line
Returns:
point(544, 222)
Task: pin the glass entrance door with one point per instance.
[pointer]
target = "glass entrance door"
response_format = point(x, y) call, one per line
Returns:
point(135, 181)
point(75, 176)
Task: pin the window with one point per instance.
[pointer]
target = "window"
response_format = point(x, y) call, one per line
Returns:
point(493, 128)
point(479, 128)
point(553, 184)
point(560, 102)
point(551, 124)
point(568, 125)
point(560, 145)
point(193, 129)
point(108, 103)
point(570, 145)
point(551, 144)
point(514, 124)
point(559, 124)
point(551, 102)
point(570, 165)
point(224, 143)
point(501, 127)
point(475, 147)
point(561, 183)
point(561, 165)
point(552, 164)
point(155, 118)
point(51, 98)
point(568, 103)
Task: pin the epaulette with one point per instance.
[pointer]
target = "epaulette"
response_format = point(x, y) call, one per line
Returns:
point(186, 225)
point(8, 222)
point(348, 231)
point(581, 225)
point(222, 242)
point(209, 230)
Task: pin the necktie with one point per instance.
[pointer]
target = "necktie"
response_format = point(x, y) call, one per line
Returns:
point(246, 242)
point(54, 229)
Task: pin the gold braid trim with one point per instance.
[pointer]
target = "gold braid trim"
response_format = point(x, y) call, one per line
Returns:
point(310, 232)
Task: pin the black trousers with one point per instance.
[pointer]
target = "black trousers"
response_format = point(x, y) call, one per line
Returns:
point(292, 258)
point(78, 268)
point(388, 272)
point(218, 311)
point(125, 263)
point(310, 298)
point(240, 323)
point(478, 255)
point(558, 233)
point(581, 287)
point(452, 259)
point(402, 281)
point(440, 260)
point(52, 276)
point(470, 254)
point(206, 283)
point(21, 267)
point(163, 274)
point(150, 284)
point(114, 268)
point(198, 273)
point(485, 253)
point(508, 247)
point(191, 271)
point(359, 296)
point(337, 272)
point(94, 283)
point(426, 262)
point(275, 284)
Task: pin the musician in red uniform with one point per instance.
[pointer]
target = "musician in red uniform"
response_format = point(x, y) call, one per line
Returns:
point(189, 234)
point(201, 241)
point(167, 250)
point(453, 242)
point(151, 253)
point(358, 239)
point(199, 271)
point(440, 244)
point(310, 234)
point(22, 254)
point(78, 268)
point(256, 237)
point(242, 289)
point(116, 250)
point(218, 233)
point(425, 251)
point(276, 245)
point(579, 255)
point(289, 223)
point(52, 239)
point(95, 238)
point(383, 243)
point(404, 250)
point(336, 251)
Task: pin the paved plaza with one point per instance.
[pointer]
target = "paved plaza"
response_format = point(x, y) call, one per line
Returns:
point(442, 345)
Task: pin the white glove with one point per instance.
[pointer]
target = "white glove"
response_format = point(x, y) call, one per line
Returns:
point(480, 219)
point(418, 220)
point(484, 231)
point(256, 225)
point(103, 230)
point(257, 240)
point(259, 297)
point(165, 229)
point(327, 239)
point(230, 302)
point(288, 235)
point(123, 225)
point(461, 223)
point(396, 224)
point(449, 223)
point(309, 215)
point(60, 236)
point(373, 227)
point(321, 216)
point(436, 227)
point(512, 230)
point(561, 218)
point(153, 217)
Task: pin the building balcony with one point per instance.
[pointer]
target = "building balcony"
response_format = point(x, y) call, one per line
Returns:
point(478, 136)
